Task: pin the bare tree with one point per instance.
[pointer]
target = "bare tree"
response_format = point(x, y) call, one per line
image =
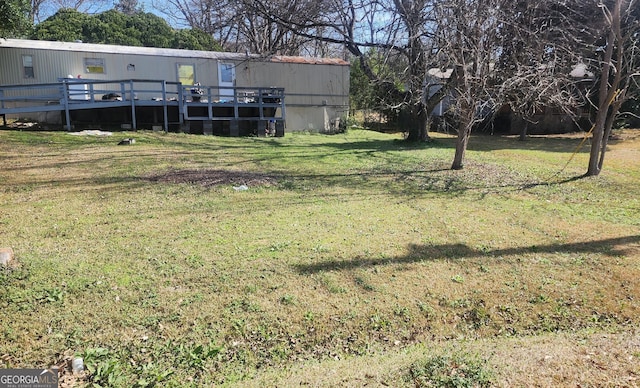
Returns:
point(512, 53)
point(218, 18)
point(541, 67)
point(35, 10)
point(620, 72)
point(128, 7)
point(241, 26)
point(470, 47)
point(399, 33)
point(547, 42)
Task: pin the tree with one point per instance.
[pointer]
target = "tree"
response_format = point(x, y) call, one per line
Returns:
point(620, 72)
point(14, 18)
point(311, 27)
point(545, 42)
point(540, 63)
point(513, 53)
point(361, 94)
point(239, 27)
point(67, 25)
point(471, 50)
point(114, 27)
point(139, 29)
point(399, 31)
point(194, 39)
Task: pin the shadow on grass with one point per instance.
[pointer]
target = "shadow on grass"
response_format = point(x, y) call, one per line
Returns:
point(484, 142)
point(386, 173)
point(478, 142)
point(437, 180)
point(420, 253)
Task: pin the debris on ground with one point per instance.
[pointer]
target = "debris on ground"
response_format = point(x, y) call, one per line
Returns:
point(211, 178)
point(91, 132)
point(30, 125)
point(127, 141)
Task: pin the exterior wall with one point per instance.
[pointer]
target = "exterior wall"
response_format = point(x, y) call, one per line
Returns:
point(316, 94)
point(316, 90)
point(54, 60)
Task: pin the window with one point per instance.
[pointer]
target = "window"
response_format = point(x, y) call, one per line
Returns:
point(94, 66)
point(27, 66)
point(227, 72)
point(187, 74)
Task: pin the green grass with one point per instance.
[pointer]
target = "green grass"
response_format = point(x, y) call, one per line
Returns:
point(359, 245)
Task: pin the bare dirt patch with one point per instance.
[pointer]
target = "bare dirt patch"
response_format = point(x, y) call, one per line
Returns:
point(212, 178)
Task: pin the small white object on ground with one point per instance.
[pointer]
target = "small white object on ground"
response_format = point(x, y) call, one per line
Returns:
point(77, 365)
point(6, 256)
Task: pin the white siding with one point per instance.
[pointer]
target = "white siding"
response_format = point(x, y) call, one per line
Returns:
point(315, 89)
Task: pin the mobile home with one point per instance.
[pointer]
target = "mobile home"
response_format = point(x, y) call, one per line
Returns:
point(315, 90)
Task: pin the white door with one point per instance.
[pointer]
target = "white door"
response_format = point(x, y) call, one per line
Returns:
point(226, 80)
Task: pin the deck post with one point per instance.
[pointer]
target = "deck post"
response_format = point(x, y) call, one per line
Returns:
point(181, 108)
point(65, 103)
point(207, 127)
point(234, 128)
point(236, 112)
point(165, 112)
point(4, 117)
point(282, 108)
point(134, 122)
point(262, 127)
point(209, 103)
point(260, 105)
point(279, 128)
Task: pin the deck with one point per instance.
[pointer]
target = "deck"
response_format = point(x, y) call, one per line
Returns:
point(239, 110)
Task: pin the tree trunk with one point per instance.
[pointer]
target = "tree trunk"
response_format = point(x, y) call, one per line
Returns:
point(608, 125)
point(418, 128)
point(420, 132)
point(524, 131)
point(464, 133)
point(461, 146)
point(596, 144)
point(607, 108)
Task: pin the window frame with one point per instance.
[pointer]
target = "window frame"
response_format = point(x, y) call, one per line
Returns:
point(91, 65)
point(28, 72)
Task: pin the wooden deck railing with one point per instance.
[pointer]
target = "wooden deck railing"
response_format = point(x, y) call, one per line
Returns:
point(194, 103)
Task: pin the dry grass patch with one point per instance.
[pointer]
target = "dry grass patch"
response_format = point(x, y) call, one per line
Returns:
point(549, 360)
point(210, 178)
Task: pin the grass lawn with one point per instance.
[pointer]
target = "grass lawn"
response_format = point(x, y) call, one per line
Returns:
point(346, 260)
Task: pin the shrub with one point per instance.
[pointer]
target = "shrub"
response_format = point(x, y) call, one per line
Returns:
point(458, 370)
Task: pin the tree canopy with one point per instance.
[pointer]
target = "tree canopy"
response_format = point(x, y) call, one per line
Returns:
point(115, 27)
point(14, 17)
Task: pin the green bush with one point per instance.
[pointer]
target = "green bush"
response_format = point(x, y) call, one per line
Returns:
point(458, 370)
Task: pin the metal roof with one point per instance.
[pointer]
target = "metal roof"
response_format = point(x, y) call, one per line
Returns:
point(164, 52)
